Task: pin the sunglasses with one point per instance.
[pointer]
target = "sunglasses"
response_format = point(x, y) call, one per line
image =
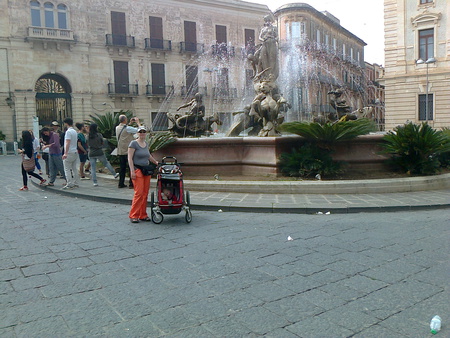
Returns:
point(142, 132)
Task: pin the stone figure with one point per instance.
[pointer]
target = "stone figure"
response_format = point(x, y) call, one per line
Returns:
point(267, 53)
point(242, 121)
point(193, 122)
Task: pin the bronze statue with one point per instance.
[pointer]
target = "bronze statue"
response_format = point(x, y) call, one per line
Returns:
point(192, 123)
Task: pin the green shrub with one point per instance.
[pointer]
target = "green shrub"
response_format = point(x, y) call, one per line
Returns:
point(308, 161)
point(2, 136)
point(415, 149)
point(325, 135)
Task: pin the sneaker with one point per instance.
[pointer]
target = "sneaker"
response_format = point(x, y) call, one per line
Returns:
point(85, 178)
point(95, 184)
point(116, 175)
point(67, 187)
point(76, 186)
point(122, 186)
point(50, 184)
point(24, 188)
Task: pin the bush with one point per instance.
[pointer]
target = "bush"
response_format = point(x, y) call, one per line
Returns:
point(308, 161)
point(2, 136)
point(416, 149)
point(325, 135)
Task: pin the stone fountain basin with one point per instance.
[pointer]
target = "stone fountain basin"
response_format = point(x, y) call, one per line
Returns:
point(256, 158)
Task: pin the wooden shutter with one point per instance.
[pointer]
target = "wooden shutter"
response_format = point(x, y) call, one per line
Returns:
point(118, 28)
point(190, 36)
point(156, 32)
point(191, 80)
point(121, 79)
point(158, 79)
point(221, 34)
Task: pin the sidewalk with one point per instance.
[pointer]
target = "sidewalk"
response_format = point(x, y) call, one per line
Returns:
point(226, 197)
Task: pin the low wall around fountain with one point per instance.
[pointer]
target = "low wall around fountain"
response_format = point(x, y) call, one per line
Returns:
point(258, 156)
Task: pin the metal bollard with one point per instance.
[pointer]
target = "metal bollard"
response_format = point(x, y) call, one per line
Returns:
point(16, 147)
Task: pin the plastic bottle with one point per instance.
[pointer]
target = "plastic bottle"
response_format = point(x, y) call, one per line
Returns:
point(435, 324)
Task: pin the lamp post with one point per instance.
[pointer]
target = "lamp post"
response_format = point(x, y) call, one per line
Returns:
point(420, 61)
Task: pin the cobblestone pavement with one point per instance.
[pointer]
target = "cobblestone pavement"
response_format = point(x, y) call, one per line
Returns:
point(74, 267)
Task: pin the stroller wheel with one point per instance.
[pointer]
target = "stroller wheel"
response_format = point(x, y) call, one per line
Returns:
point(188, 216)
point(157, 217)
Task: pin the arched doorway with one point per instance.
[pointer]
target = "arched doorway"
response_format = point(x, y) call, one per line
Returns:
point(53, 100)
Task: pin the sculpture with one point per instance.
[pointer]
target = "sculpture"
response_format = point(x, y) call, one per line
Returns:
point(264, 114)
point(192, 123)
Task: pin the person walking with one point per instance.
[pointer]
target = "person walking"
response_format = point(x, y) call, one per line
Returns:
point(55, 162)
point(82, 148)
point(139, 156)
point(36, 150)
point(70, 158)
point(124, 134)
point(27, 155)
point(96, 142)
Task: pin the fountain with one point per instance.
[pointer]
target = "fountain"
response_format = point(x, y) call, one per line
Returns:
point(258, 152)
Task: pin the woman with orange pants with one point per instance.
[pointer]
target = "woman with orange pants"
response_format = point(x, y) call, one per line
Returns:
point(138, 157)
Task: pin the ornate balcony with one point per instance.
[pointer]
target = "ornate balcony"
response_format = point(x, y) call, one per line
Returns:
point(224, 93)
point(157, 90)
point(120, 40)
point(123, 89)
point(190, 47)
point(50, 33)
point(223, 50)
point(158, 44)
point(185, 92)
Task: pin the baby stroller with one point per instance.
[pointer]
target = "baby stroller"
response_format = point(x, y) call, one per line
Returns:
point(171, 198)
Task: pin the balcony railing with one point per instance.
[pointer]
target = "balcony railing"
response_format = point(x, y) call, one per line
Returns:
point(158, 44)
point(223, 50)
point(158, 90)
point(185, 92)
point(50, 33)
point(120, 40)
point(123, 89)
point(191, 47)
point(224, 93)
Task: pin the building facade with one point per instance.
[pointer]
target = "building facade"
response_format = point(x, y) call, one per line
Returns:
point(61, 59)
point(417, 57)
point(318, 55)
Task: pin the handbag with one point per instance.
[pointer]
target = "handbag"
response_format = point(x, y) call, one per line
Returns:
point(29, 164)
point(147, 170)
point(114, 152)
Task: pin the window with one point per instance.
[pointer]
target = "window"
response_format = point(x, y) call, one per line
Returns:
point(121, 79)
point(295, 31)
point(191, 80)
point(351, 54)
point(62, 16)
point(343, 50)
point(426, 1)
point(423, 107)
point(35, 14)
point(118, 28)
point(49, 18)
point(158, 79)
point(249, 36)
point(334, 44)
point(318, 37)
point(190, 36)
point(426, 44)
point(53, 17)
point(156, 32)
point(221, 34)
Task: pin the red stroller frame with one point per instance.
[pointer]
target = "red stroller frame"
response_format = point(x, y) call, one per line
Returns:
point(171, 198)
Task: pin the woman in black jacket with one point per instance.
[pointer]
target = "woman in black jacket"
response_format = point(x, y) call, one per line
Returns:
point(27, 152)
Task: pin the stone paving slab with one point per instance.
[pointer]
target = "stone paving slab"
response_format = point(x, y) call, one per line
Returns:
point(72, 267)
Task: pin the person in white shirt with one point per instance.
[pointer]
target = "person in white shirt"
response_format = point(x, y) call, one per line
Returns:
point(70, 158)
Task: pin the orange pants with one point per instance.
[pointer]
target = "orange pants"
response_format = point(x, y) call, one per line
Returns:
point(141, 187)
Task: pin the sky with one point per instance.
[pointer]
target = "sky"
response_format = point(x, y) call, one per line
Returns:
point(360, 17)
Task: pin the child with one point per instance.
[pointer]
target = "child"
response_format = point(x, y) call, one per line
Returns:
point(167, 195)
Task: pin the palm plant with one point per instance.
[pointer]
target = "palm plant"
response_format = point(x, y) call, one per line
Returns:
point(159, 140)
point(107, 122)
point(415, 149)
point(329, 133)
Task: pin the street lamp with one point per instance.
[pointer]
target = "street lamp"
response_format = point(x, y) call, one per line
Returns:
point(419, 62)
